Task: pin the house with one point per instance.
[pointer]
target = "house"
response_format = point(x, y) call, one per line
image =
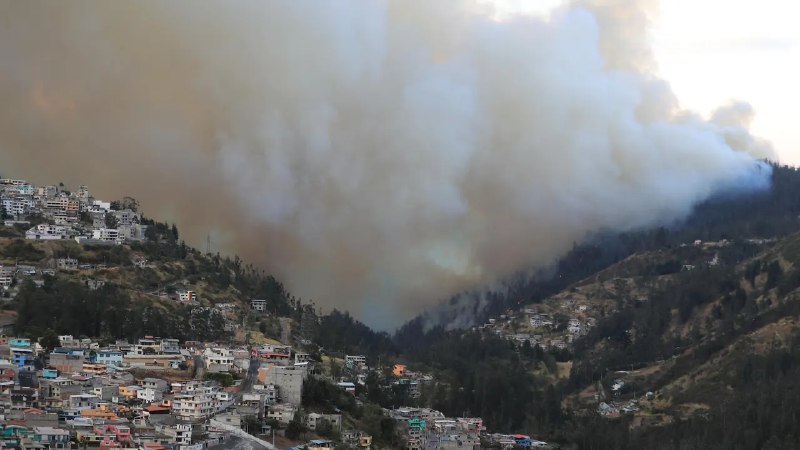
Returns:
point(67, 263)
point(108, 357)
point(24, 398)
point(6, 280)
point(22, 354)
point(540, 321)
point(288, 379)
point(186, 296)
point(301, 358)
point(218, 360)
point(50, 438)
point(83, 401)
point(67, 341)
point(283, 413)
point(170, 346)
point(355, 361)
point(106, 235)
point(574, 326)
point(129, 392)
point(147, 346)
point(269, 393)
point(43, 232)
point(315, 419)
point(95, 284)
point(320, 444)
point(149, 395)
point(67, 361)
point(357, 438)
point(194, 406)
point(258, 305)
point(156, 384)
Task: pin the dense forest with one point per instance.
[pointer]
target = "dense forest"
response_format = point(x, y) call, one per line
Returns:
point(532, 406)
point(68, 307)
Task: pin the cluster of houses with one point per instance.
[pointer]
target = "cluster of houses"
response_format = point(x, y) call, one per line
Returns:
point(510, 441)
point(68, 215)
point(83, 392)
point(426, 428)
point(543, 327)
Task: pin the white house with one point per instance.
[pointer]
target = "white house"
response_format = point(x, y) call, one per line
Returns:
point(106, 234)
point(355, 361)
point(149, 395)
point(193, 406)
point(43, 232)
point(218, 359)
point(258, 305)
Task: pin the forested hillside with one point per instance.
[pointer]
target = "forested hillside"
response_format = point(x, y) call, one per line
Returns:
point(663, 337)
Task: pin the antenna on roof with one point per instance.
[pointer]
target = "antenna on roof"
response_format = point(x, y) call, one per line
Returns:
point(208, 243)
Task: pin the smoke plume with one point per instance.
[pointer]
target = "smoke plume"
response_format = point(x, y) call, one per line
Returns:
point(374, 155)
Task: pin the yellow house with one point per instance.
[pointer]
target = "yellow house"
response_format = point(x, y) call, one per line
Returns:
point(129, 391)
point(100, 413)
point(365, 441)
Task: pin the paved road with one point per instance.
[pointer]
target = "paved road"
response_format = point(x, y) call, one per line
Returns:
point(249, 379)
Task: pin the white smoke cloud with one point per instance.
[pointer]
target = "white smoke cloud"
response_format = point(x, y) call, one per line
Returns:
point(374, 155)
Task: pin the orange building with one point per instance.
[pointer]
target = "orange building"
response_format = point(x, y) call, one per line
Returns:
point(399, 370)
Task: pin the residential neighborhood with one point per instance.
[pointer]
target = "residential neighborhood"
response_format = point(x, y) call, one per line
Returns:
point(161, 392)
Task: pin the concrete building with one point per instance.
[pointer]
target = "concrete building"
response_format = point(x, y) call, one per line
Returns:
point(83, 401)
point(258, 305)
point(288, 379)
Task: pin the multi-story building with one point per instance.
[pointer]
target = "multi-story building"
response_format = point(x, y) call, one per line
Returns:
point(355, 362)
point(218, 359)
point(44, 232)
point(170, 346)
point(50, 438)
point(258, 305)
point(186, 295)
point(193, 406)
point(149, 394)
point(106, 234)
point(83, 401)
point(113, 357)
point(22, 354)
point(147, 346)
point(288, 379)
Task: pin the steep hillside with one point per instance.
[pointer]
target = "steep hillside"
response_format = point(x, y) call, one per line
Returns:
point(125, 291)
point(699, 349)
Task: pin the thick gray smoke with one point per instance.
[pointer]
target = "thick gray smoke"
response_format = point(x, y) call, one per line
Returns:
point(374, 155)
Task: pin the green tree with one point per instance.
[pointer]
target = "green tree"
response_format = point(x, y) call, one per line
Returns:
point(49, 340)
point(295, 429)
point(111, 221)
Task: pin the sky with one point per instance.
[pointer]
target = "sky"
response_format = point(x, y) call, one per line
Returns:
point(715, 51)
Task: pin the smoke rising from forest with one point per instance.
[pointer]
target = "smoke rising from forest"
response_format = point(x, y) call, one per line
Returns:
point(375, 156)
